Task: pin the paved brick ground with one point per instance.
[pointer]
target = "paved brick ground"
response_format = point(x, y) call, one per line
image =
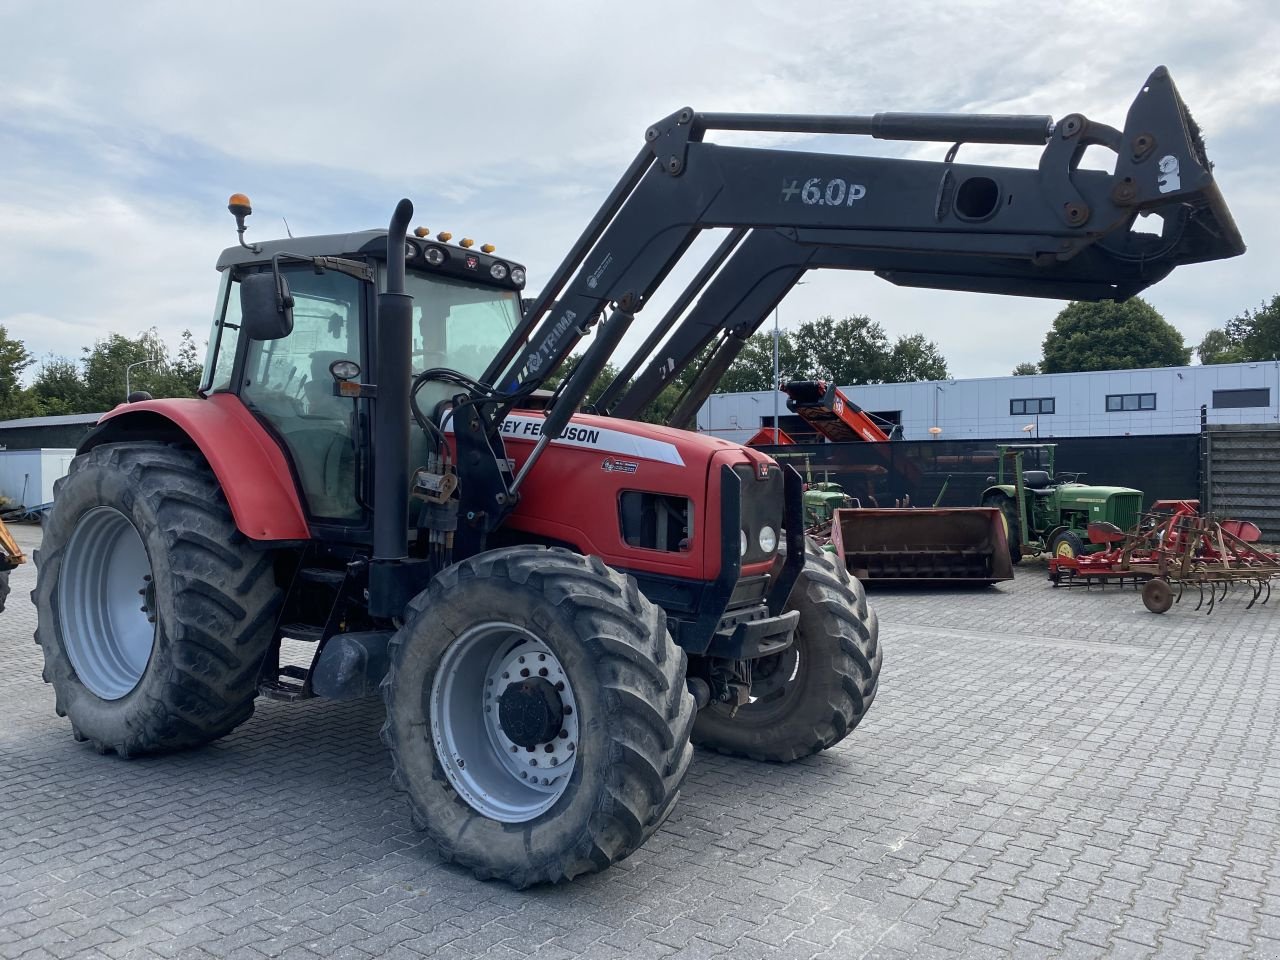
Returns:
point(1045, 774)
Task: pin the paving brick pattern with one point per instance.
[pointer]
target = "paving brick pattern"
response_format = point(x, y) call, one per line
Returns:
point(1045, 774)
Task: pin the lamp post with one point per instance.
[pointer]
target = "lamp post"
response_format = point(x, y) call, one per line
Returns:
point(777, 373)
point(129, 370)
point(777, 332)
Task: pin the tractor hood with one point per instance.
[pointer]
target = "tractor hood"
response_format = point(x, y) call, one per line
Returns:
point(631, 439)
point(1085, 493)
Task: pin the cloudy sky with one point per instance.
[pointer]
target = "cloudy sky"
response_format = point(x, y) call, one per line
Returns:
point(123, 129)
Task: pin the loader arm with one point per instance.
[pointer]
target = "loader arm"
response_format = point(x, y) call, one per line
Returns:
point(1055, 230)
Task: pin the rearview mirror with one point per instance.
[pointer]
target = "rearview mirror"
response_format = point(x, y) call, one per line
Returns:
point(266, 307)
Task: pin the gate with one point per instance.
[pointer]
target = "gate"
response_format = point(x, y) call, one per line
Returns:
point(1241, 474)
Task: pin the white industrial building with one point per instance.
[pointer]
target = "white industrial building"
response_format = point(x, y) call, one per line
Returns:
point(1107, 403)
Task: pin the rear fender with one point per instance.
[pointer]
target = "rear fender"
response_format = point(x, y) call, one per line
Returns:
point(1007, 490)
point(250, 466)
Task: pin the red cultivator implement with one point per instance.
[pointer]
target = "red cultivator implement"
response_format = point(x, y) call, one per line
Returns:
point(1172, 549)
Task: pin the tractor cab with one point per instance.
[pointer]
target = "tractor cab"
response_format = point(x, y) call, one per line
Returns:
point(303, 383)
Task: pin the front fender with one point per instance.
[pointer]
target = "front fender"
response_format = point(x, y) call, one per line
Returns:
point(249, 464)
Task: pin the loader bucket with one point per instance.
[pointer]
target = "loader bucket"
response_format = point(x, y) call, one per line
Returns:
point(923, 545)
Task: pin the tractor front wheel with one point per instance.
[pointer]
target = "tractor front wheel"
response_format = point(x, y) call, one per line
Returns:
point(153, 610)
point(1067, 545)
point(537, 715)
point(813, 694)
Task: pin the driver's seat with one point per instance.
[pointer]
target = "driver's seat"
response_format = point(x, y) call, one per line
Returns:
point(1036, 479)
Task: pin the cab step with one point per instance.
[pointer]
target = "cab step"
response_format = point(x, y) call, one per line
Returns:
point(306, 632)
point(290, 685)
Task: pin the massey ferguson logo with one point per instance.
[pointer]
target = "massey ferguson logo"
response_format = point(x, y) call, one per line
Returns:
point(762, 471)
point(610, 465)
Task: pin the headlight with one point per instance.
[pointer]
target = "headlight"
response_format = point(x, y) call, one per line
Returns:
point(410, 251)
point(517, 276)
point(744, 542)
point(344, 370)
point(498, 271)
point(435, 256)
point(768, 539)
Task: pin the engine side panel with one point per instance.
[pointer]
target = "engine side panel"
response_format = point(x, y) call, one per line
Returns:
point(574, 493)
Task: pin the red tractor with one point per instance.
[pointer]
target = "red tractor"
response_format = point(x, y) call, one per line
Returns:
point(554, 605)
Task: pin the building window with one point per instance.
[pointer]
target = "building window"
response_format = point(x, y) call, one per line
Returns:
point(1021, 408)
point(1252, 397)
point(1129, 402)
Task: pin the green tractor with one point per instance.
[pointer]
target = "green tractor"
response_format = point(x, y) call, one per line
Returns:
point(822, 500)
point(1049, 513)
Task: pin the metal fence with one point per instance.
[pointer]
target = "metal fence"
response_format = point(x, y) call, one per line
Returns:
point(957, 471)
point(1242, 474)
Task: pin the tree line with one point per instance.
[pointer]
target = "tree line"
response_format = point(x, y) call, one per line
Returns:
point(1133, 335)
point(95, 381)
point(850, 351)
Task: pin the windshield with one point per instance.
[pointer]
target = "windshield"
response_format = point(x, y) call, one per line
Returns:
point(457, 325)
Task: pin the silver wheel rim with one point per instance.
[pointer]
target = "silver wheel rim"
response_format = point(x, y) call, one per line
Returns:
point(106, 603)
point(497, 777)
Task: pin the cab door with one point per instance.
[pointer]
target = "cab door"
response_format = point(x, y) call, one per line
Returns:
point(287, 383)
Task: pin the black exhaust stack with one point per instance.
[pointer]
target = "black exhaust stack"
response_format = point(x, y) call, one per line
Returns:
point(390, 584)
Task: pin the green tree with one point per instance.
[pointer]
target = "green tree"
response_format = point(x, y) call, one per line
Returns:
point(849, 351)
point(914, 358)
point(59, 388)
point(1026, 369)
point(752, 369)
point(598, 385)
point(15, 401)
point(1253, 335)
point(1112, 336)
point(106, 362)
point(1217, 347)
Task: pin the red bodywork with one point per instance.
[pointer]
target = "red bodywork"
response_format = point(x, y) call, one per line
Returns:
point(572, 493)
point(570, 496)
point(249, 464)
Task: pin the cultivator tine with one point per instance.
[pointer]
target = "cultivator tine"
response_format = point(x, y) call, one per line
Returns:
point(1268, 596)
point(1178, 598)
point(1257, 592)
point(1213, 596)
point(1201, 603)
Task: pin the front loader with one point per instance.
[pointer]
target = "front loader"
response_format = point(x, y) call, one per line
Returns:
point(553, 605)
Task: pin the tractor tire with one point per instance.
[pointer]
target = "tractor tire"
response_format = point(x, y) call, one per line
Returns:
point(1067, 544)
point(4, 588)
point(1012, 529)
point(153, 611)
point(537, 715)
point(812, 695)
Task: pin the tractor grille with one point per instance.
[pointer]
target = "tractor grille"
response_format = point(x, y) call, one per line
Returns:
point(1126, 509)
point(762, 502)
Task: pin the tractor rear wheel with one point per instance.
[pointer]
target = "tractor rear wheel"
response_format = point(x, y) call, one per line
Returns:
point(153, 610)
point(1013, 530)
point(813, 694)
point(537, 715)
